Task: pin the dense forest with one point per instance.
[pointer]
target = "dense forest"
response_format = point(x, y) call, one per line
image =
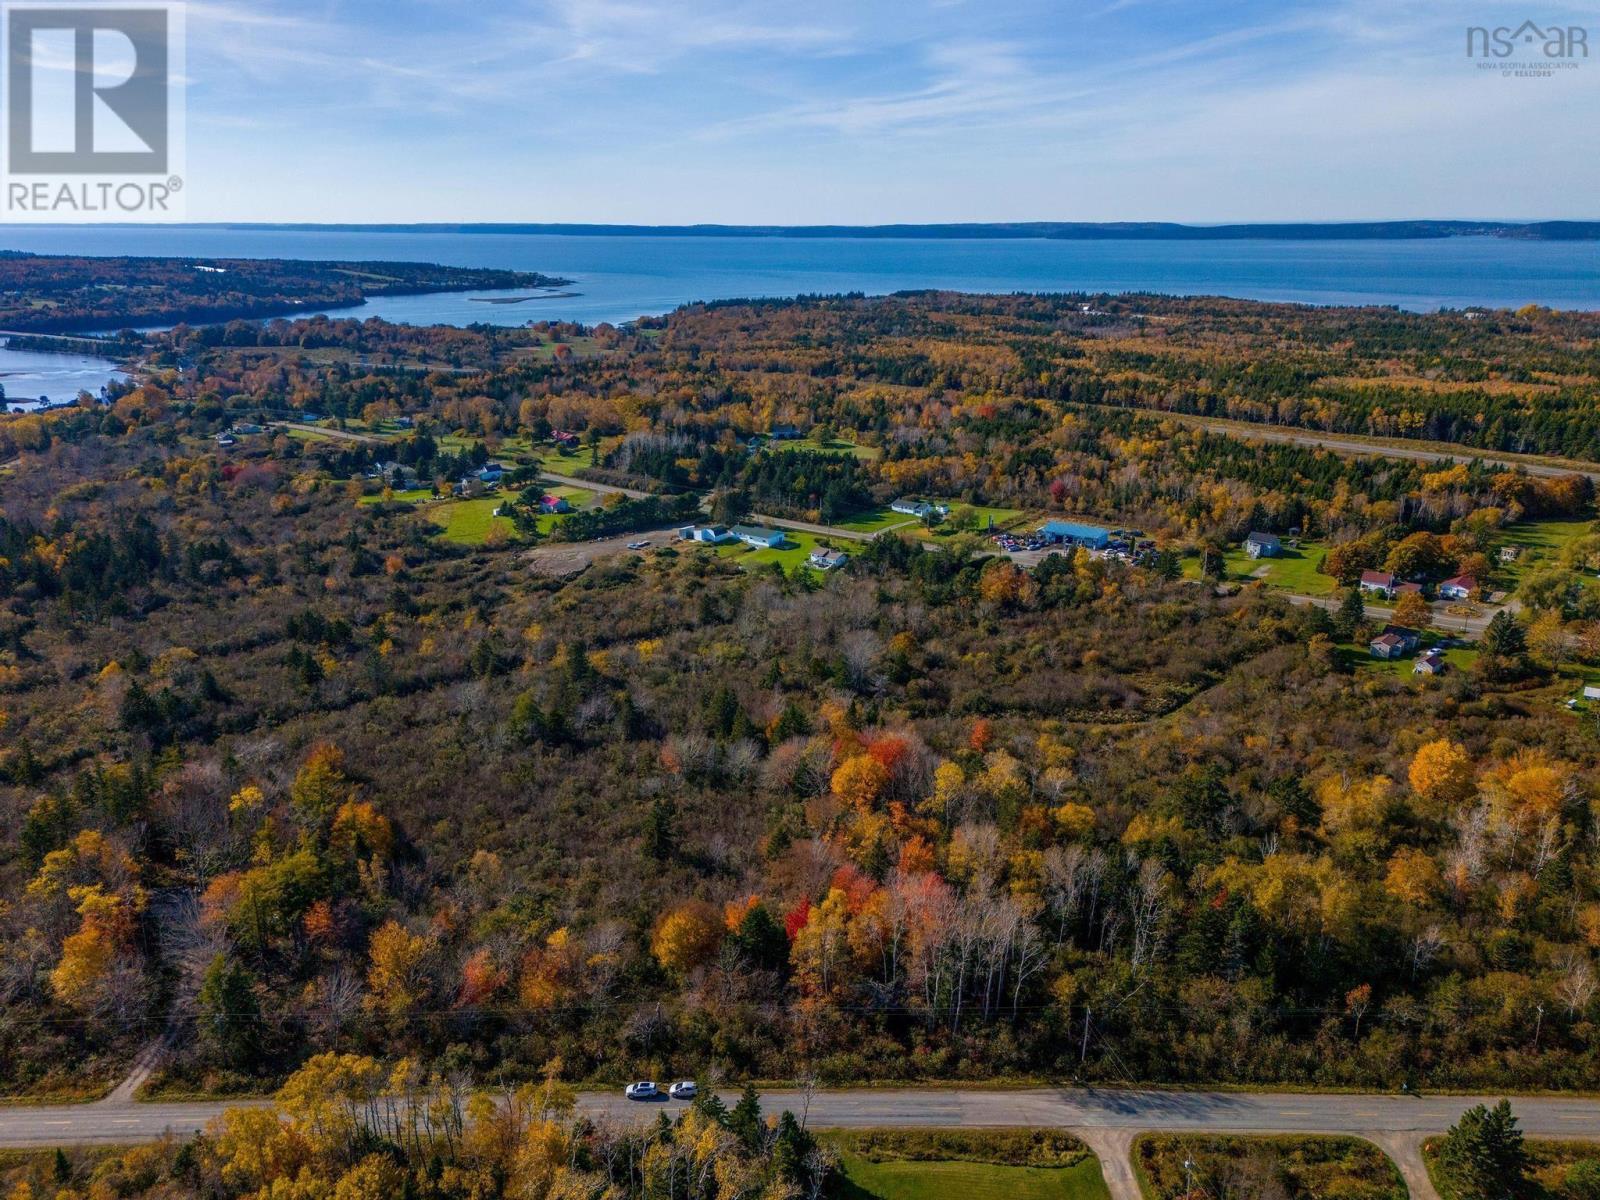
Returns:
point(286, 774)
point(61, 294)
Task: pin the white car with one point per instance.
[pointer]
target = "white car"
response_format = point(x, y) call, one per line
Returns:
point(684, 1089)
point(638, 545)
point(644, 1090)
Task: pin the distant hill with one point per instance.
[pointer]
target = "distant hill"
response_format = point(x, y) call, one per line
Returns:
point(1542, 231)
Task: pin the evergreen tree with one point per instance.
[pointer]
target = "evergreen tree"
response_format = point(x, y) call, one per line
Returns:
point(660, 833)
point(1505, 639)
point(1352, 612)
point(1483, 1156)
point(745, 1120)
point(230, 1015)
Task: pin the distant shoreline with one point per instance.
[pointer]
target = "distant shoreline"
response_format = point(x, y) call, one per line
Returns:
point(1543, 231)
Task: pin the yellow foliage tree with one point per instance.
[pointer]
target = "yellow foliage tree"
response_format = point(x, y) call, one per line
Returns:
point(687, 936)
point(1441, 773)
point(87, 954)
point(949, 782)
point(820, 945)
point(860, 780)
point(320, 786)
point(361, 830)
point(1354, 803)
point(1413, 877)
point(395, 973)
point(1073, 820)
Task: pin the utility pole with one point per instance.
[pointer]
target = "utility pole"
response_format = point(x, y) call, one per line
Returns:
point(1083, 1052)
point(1538, 1024)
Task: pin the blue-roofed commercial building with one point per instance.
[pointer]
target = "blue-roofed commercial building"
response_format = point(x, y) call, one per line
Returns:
point(1071, 533)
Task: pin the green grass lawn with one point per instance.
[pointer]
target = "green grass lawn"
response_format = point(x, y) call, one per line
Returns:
point(864, 1180)
point(797, 547)
point(405, 496)
point(305, 433)
point(1295, 570)
point(1004, 518)
point(874, 520)
point(468, 522)
point(1458, 659)
point(836, 446)
point(1541, 543)
point(576, 496)
point(1575, 677)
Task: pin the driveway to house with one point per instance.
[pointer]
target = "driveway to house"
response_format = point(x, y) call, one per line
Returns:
point(1107, 1119)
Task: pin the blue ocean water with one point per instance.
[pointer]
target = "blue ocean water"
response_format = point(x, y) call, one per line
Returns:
point(27, 376)
point(620, 278)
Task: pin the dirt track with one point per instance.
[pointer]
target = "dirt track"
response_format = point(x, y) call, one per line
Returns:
point(560, 559)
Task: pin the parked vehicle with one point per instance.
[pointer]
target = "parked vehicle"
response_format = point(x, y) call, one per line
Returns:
point(684, 1089)
point(643, 1090)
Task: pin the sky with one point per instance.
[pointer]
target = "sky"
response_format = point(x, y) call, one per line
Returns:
point(867, 112)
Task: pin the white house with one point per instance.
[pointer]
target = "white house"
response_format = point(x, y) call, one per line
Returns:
point(920, 509)
point(1378, 581)
point(824, 559)
point(1459, 588)
point(714, 535)
point(1431, 662)
point(1263, 545)
point(758, 536)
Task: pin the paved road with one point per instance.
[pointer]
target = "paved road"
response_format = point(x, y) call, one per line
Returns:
point(1450, 622)
point(833, 531)
point(347, 435)
point(1349, 445)
point(588, 485)
point(1106, 1118)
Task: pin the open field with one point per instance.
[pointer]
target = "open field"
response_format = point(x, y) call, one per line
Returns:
point(864, 1180)
point(470, 522)
point(834, 446)
point(966, 1164)
point(1295, 570)
point(874, 520)
point(1541, 543)
point(404, 496)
